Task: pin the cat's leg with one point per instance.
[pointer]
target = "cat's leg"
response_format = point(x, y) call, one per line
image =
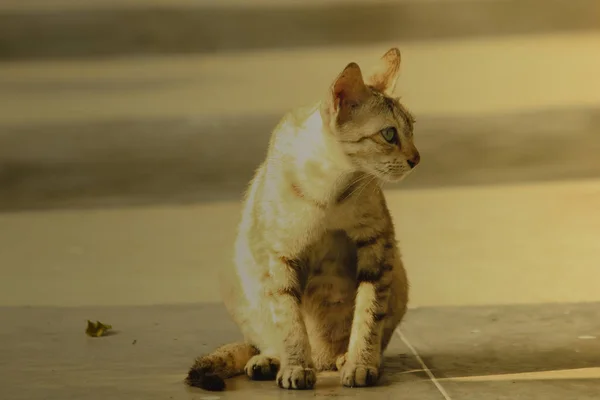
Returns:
point(283, 301)
point(252, 319)
point(329, 334)
point(257, 327)
point(397, 303)
point(377, 258)
point(397, 308)
point(328, 298)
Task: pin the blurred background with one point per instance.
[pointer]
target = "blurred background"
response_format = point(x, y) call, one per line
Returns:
point(127, 102)
point(130, 128)
point(140, 112)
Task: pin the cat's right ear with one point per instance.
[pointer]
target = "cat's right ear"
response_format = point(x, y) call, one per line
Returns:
point(385, 74)
point(347, 92)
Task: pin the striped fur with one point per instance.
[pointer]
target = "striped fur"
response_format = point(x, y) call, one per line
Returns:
point(317, 281)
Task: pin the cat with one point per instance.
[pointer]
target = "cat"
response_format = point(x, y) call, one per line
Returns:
point(317, 281)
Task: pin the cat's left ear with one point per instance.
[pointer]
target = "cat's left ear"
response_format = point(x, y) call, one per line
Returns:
point(345, 95)
point(349, 89)
point(385, 74)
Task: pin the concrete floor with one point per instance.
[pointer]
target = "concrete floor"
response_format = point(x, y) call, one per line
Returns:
point(113, 207)
point(510, 352)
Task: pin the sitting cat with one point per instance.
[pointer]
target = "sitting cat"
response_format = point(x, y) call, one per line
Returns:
point(318, 282)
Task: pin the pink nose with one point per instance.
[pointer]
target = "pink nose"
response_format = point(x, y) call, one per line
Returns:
point(412, 162)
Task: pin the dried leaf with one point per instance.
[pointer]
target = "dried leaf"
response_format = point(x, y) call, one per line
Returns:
point(97, 329)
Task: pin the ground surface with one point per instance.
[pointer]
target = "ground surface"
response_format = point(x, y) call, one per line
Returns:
point(519, 352)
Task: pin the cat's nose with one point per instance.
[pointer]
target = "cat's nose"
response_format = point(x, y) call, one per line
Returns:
point(412, 162)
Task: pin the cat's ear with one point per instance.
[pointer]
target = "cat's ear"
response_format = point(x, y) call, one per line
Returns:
point(347, 92)
point(348, 89)
point(385, 74)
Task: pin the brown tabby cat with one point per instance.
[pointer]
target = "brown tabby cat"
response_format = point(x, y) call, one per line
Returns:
point(318, 282)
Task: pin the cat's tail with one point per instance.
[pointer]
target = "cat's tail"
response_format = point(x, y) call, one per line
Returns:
point(209, 372)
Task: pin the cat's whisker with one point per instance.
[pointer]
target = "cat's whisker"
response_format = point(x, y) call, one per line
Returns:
point(364, 182)
point(355, 184)
point(339, 185)
point(367, 185)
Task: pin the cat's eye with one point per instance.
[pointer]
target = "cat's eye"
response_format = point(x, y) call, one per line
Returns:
point(390, 134)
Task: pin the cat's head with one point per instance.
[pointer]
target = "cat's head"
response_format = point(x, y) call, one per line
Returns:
point(373, 129)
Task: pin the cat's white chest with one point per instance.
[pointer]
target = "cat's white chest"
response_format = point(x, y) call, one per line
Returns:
point(299, 226)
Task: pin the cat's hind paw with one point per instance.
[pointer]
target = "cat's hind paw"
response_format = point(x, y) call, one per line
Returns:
point(262, 368)
point(340, 362)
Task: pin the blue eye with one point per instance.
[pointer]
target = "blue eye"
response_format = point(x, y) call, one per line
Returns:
point(390, 134)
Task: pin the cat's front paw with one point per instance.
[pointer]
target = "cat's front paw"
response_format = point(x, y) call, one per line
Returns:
point(359, 375)
point(296, 377)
